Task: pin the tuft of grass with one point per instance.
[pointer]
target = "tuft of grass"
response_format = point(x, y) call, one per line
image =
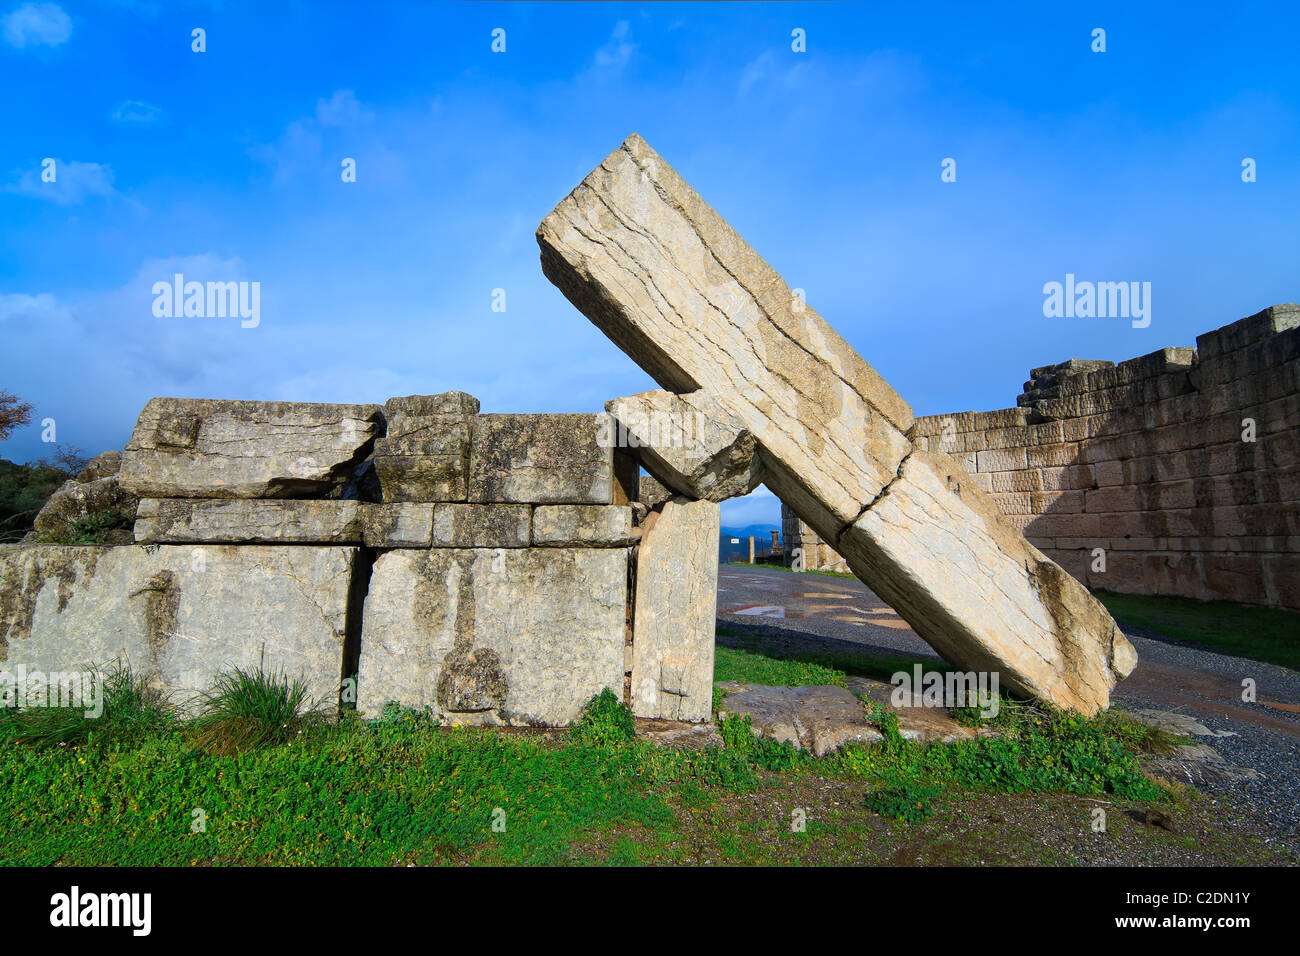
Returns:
point(1242, 630)
point(251, 709)
point(131, 711)
point(905, 800)
point(605, 721)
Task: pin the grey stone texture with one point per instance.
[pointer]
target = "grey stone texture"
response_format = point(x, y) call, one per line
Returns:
point(522, 637)
point(248, 521)
point(481, 526)
point(178, 615)
point(582, 526)
point(424, 454)
point(217, 448)
point(401, 524)
point(543, 459)
point(675, 612)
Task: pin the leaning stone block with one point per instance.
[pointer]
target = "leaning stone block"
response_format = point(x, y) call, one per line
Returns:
point(402, 524)
point(582, 526)
point(248, 521)
point(481, 526)
point(671, 283)
point(215, 448)
point(522, 637)
point(178, 615)
point(543, 459)
point(674, 613)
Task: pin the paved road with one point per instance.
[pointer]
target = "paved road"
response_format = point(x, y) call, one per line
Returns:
point(1263, 736)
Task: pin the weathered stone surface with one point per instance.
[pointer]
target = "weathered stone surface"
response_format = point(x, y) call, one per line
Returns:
point(582, 526)
point(922, 724)
point(427, 466)
point(426, 415)
point(175, 617)
point(216, 448)
point(678, 734)
point(652, 491)
point(674, 614)
point(481, 526)
point(104, 465)
point(521, 637)
point(403, 524)
point(248, 521)
point(820, 719)
point(544, 459)
point(655, 268)
point(691, 442)
point(78, 500)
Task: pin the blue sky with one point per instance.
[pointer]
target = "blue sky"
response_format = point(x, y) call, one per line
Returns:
point(225, 165)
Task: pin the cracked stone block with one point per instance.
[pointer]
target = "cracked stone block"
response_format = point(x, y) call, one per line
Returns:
point(217, 448)
point(675, 612)
point(401, 524)
point(248, 521)
point(672, 284)
point(820, 719)
point(178, 615)
point(542, 459)
point(582, 526)
point(690, 442)
point(520, 637)
point(481, 526)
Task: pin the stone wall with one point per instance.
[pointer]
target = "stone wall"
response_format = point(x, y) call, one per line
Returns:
point(483, 566)
point(1181, 466)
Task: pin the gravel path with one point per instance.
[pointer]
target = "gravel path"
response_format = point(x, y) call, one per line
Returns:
point(1170, 676)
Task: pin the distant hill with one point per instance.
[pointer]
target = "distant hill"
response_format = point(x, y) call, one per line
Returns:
point(761, 531)
point(733, 543)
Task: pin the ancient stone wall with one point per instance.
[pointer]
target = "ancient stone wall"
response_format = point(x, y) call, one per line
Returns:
point(483, 566)
point(1181, 466)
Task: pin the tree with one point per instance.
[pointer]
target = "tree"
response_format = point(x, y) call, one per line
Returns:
point(67, 458)
point(13, 413)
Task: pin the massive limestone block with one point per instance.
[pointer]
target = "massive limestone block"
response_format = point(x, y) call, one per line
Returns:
point(663, 275)
point(543, 459)
point(402, 524)
point(248, 521)
point(177, 614)
point(215, 448)
point(689, 441)
point(523, 637)
point(582, 526)
point(481, 526)
point(675, 611)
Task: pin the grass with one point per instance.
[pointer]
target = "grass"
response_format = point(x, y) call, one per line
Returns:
point(132, 711)
point(277, 782)
point(1259, 633)
point(759, 659)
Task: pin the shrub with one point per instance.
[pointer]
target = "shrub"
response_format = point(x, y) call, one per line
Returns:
point(605, 721)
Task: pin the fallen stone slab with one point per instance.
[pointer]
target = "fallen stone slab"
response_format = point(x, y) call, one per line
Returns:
point(1180, 725)
point(248, 521)
point(819, 719)
point(216, 448)
point(166, 611)
point(922, 724)
point(517, 637)
point(542, 459)
point(675, 612)
point(662, 274)
point(690, 442)
point(677, 734)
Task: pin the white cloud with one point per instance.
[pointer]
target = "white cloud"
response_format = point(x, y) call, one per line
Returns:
point(616, 51)
point(136, 112)
point(299, 147)
point(36, 24)
point(73, 183)
point(341, 109)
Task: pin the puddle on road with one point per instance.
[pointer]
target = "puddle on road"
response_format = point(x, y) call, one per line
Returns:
point(763, 610)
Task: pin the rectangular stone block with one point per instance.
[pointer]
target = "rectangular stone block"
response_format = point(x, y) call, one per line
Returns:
point(582, 526)
point(179, 615)
point(675, 613)
point(481, 526)
point(522, 637)
point(216, 448)
point(425, 466)
point(247, 521)
point(402, 524)
point(542, 459)
point(1052, 456)
point(1261, 325)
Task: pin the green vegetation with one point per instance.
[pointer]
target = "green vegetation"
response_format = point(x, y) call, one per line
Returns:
point(760, 659)
point(93, 529)
point(24, 489)
point(131, 712)
point(1242, 630)
point(250, 709)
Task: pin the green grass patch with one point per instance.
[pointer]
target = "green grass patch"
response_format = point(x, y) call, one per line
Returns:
point(1259, 633)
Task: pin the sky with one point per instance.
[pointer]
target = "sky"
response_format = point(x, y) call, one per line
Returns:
point(1122, 165)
